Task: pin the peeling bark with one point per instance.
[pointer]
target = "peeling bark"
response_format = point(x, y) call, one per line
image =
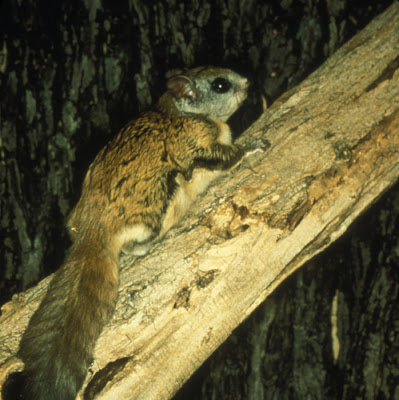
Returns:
point(72, 74)
point(333, 150)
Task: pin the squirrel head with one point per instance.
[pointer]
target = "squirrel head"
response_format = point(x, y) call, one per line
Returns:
point(208, 91)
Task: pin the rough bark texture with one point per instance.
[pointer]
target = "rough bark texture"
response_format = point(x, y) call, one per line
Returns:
point(73, 73)
point(330, 331)
point(334, 149)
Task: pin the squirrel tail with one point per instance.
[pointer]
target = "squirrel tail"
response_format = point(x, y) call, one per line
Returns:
point(57, 347)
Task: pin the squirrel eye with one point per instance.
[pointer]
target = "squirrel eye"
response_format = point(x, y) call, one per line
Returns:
point(220, 85)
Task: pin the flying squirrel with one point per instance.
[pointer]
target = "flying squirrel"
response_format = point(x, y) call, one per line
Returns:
point(138, 186)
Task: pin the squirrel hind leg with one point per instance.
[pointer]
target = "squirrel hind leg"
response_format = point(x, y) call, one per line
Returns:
point(135, 239)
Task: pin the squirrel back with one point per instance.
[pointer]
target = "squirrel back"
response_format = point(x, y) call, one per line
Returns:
point(137, 187)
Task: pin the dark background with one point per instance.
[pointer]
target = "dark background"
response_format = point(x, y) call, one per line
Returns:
point(72, 73)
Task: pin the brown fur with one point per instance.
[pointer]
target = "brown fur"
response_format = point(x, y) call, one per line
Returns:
point(137, 187)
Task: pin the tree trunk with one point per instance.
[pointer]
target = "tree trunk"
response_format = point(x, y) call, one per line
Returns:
point(333, 150)
point(72, 73)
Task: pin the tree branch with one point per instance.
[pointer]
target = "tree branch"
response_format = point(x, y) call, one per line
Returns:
point(334, 149)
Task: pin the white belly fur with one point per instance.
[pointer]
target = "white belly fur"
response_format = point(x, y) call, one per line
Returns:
point(185, 196)
point(188, 191)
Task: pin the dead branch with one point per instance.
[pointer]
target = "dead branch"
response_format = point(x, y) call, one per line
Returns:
point(334, 149)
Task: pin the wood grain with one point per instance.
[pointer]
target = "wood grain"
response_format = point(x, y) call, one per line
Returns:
point(333, 150)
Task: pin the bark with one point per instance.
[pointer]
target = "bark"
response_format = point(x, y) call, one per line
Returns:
point(73, 73)
point(329, 331)
point(333, 150)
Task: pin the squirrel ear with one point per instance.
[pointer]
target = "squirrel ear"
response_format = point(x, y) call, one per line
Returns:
point(174, 72)
point(180, 85)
